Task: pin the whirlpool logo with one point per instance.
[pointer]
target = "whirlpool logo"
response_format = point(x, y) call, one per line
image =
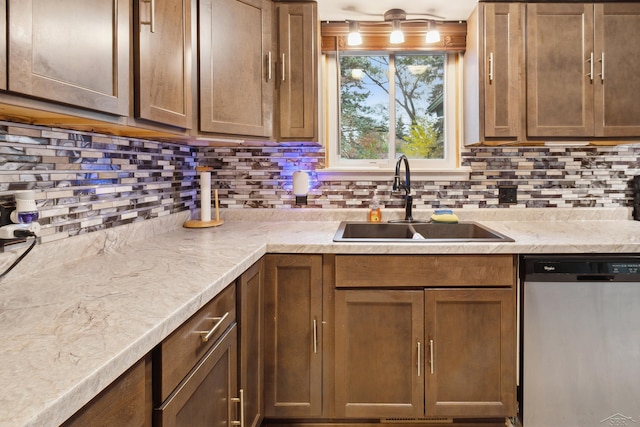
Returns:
point(618, 420)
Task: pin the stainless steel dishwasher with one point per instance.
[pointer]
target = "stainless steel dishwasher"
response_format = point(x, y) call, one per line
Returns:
point(580, 364)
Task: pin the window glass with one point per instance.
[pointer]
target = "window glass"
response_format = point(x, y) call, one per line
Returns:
point(364, 107)
point(419, 106)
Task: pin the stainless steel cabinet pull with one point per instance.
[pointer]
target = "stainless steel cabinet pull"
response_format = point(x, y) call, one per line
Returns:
point(419, 357)
point(315, 336)
point(206, 335)
point(269, 66)
point(602, 67)
point(590, 61)
point(491, 67)
point(432, 357)
point(283, 67)
point(239, 400)
point(152, 20)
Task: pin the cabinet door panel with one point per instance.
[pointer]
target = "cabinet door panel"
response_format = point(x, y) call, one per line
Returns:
point(293, 345)
point(235, 94)
point(251, 297)
point(378, 368)
point(71, 51)
point(164, 62)
point(471, 359)
point(617, 82)
point(504, 63)
point(297, 70)
point(559, 86)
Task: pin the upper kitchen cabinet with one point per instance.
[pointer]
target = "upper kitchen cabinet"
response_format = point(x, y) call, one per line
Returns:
point(494, 84)
point(236, 74)
point(297, 71)
point(163, 62)
point(71, 51)
point(582, 70)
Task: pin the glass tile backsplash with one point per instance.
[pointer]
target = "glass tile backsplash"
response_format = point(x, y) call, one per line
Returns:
point(86, 182)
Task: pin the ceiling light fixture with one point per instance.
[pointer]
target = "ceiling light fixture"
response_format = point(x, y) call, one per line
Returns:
point(395, 16)
point(354, 39)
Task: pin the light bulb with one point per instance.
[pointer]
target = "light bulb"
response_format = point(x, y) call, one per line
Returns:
point(433, 35)
point(396, 35)
point(354, 39)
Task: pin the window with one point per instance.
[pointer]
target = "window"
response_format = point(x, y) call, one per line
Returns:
point(387, 104)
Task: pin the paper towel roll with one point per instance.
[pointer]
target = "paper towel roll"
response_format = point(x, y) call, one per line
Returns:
point(300, 183)
point(205, 196)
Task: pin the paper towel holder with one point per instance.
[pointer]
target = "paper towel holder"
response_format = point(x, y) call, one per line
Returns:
point(205, 202)
point(300, 187)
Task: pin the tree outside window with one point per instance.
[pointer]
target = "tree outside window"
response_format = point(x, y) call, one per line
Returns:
point(392, 104)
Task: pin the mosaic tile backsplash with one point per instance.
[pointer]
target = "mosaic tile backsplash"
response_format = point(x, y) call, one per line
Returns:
point(585, 176)
point(86, 182)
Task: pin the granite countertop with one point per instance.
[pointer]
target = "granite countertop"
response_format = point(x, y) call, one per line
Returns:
point(76, 314)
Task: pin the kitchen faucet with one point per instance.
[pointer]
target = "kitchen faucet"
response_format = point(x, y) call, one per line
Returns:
point(404, 185)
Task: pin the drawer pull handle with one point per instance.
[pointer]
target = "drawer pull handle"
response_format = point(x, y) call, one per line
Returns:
point(240, 401)
point(206, 335)
point(419, 357)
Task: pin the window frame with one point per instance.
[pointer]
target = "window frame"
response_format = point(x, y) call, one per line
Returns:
point(453, 122)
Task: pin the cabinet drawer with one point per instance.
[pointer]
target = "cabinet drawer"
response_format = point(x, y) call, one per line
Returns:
point(181, 350)
point(411, 271)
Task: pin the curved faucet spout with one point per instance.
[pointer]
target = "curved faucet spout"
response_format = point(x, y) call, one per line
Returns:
point(406, 186)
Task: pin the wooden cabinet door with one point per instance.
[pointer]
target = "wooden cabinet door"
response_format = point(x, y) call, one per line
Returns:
point(206, 396)
point(236, 87)
point(503, 67)
point(163, 62)
point(379, 369)
point(559, 78)
point(127, 402)
point(293, 336)
point(71, 51)
point(297, 73)
point(617, 65)
point(471, 352)
point(251, 297)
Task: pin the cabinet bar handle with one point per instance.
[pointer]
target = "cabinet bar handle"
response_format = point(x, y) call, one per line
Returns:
point(432, 357)
point(151, 21)
point(602, 67)
point(239, 400)
point(315, 336)
point(491, 67)
point(283, 67)
point(206, 335)
point(590, 61)
point(419, 357)
point(269, 66)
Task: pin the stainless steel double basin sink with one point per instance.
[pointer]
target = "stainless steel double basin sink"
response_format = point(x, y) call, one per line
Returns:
point(409, 232)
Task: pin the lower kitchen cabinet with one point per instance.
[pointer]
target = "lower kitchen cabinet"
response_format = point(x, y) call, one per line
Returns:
point(424, 342)
point(207, 396)
point(196, 368)
point(251, 342)
point(379, 370)
point(470, 350)
point(127, 402)
point(293, 344)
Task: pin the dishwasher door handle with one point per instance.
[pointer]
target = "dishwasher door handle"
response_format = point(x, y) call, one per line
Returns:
point(595, 277)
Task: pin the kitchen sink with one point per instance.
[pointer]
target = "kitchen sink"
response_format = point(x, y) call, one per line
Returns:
point(358, 231)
